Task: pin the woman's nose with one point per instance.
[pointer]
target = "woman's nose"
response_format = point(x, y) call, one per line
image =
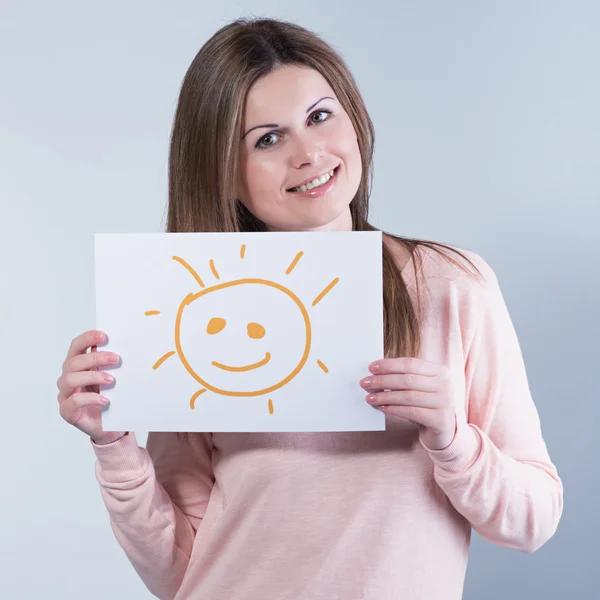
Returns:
point(306, 151)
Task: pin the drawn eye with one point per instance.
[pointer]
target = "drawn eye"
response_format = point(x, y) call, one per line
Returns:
point(255, 331)
point(215, 325)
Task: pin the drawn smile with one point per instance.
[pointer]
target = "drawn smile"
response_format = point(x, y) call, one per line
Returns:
point(256, 365)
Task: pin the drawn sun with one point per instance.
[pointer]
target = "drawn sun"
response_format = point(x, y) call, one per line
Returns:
point(272, 370)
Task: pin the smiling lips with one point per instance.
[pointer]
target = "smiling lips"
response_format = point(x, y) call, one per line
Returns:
point(256, 365)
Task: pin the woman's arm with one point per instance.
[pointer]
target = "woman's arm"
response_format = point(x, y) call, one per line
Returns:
point(497, 472)
point(156, 498)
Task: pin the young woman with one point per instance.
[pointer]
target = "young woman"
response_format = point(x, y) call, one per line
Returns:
point(271, 133)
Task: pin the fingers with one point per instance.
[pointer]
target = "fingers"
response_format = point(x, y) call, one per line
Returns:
point(400, 381)
point(403, 398)
point(417, 366)
point(91, 360)
point(84, 341)
point(69, 381)
point(70, 409)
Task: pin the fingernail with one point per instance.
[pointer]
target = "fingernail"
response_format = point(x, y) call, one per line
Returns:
point(374, 366)
point(108, 378)
point(366, 381)
point(371, 398)
point(112, 357)
point(104, 400)
point(99, 336)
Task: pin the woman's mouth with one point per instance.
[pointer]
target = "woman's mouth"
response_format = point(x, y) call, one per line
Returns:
point(318, 186)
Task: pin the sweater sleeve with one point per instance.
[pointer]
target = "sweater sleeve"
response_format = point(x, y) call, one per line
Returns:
point(156, 497)
point(497, 472)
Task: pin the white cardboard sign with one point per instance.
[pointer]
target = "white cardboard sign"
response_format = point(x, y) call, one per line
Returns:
point(240, 331)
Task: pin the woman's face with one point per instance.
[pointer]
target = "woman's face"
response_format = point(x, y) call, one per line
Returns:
point(295, 131)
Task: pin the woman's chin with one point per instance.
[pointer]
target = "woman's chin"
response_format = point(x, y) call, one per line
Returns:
point(317, 220)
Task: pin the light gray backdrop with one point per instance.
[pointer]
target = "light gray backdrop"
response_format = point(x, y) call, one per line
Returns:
point(488, 129)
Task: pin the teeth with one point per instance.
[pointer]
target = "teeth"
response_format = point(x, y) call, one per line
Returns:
point(318, 181)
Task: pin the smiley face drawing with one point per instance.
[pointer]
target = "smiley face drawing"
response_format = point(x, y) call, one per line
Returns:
point(228, 379)
point(239, 354)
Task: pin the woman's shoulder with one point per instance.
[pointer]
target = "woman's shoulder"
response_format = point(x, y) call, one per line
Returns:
point(454, 263)
point(441, 264)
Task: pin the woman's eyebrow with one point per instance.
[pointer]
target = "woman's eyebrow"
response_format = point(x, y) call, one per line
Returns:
point(271, 125)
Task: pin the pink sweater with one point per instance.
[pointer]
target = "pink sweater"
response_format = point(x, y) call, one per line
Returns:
point(359, 515)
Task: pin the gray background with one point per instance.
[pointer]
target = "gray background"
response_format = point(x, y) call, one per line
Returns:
point(488, 137)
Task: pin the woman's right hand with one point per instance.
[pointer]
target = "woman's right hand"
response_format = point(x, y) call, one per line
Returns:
point(78, 386)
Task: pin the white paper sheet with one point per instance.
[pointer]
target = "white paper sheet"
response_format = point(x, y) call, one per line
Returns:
point(240, 331)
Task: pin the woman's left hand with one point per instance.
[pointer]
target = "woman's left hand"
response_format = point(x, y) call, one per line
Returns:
point(419, 391)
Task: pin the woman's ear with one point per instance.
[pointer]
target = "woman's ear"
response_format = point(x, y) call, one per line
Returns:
point(238, 189)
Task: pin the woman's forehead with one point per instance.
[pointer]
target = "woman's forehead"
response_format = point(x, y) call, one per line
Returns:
point(285, 89)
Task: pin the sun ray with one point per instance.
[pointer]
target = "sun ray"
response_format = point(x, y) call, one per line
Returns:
point(271, 409)
point(294, 262)
point(150, 313)
point(243, 251)
point(325, 291)
point(213, 269)
point(193, 398)
point(190, 269)
point(162, 359)
point(324, 367)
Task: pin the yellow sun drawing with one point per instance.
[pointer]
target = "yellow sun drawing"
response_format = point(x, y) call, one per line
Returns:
point(209, 375)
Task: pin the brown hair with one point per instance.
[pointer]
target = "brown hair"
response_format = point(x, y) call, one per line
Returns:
point(204, 150)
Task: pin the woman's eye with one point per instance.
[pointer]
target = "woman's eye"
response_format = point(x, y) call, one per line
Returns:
point(320, 112)
point(261, 143)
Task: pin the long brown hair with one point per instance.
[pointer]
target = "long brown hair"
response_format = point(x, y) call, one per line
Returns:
point(204, 149)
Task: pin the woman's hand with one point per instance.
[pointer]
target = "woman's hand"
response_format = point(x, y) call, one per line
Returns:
point(78, 386)
point(417, 390)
